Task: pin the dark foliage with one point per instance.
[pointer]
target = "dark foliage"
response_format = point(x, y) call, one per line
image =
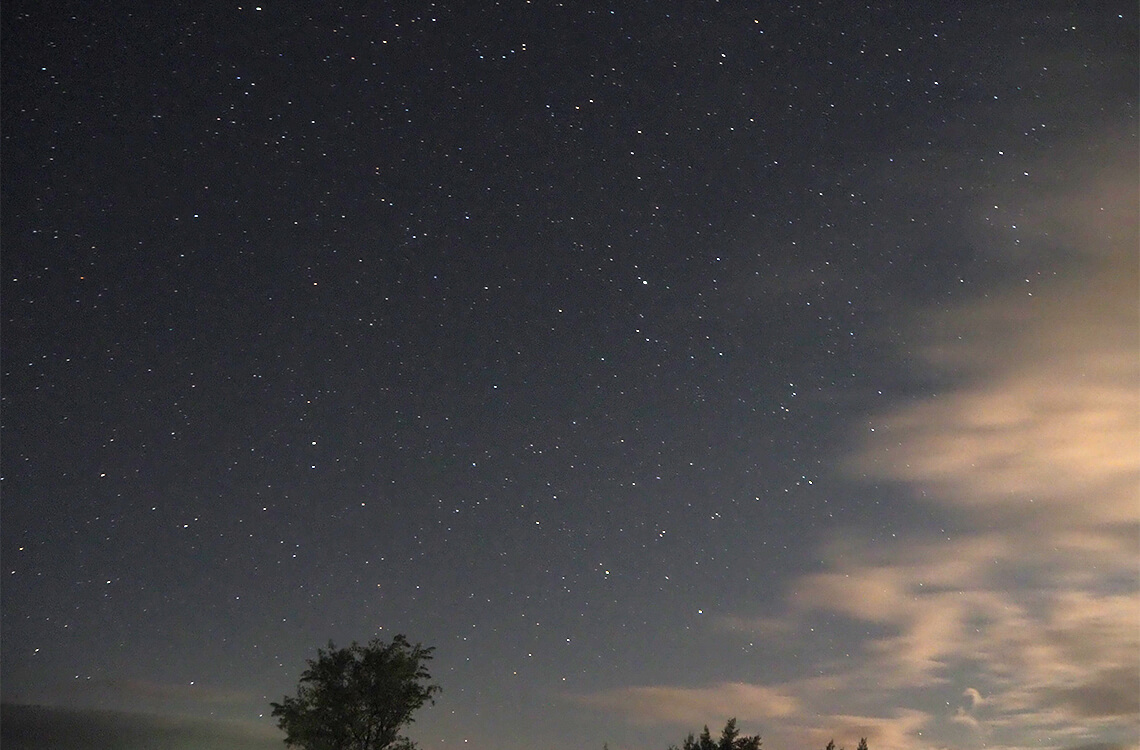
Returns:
point(862, 745)
point(358, 698)
point(730, 739)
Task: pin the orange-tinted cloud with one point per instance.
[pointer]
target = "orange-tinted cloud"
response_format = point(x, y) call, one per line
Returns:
point(694, 707)
point(1036, 456)
point(1027, 614)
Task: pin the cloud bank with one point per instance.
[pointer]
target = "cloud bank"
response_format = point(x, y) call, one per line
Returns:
point(48, 728)
point(695, 706)
point(1020, 625)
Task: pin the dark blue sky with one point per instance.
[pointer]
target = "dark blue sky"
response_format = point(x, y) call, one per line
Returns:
point(656, 362)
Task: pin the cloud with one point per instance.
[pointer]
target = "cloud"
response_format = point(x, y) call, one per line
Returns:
point(893, 729)
point(1032, 454)
point(975, 697)
point(694, 706)
point(965, 714)
point(895, 732)
point(1110, 693)
point(38, 727)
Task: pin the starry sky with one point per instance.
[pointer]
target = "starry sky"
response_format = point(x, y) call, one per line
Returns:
point(657, 362)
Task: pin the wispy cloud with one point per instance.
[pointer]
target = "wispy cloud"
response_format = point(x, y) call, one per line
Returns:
point(26, 727)
point(1022, 621)
point(694, 706)
point(1037, 456)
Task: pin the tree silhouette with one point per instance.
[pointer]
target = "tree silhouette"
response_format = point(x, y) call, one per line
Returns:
point(358, 698)
point(862, 745)
point(730, 739)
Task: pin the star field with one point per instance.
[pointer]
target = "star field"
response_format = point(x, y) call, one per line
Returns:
point(652, 361)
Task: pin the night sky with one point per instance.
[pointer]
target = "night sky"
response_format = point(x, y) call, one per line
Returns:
point(657, 362)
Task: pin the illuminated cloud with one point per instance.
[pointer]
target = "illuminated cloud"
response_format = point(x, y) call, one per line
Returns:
point(1022, 622)
point(895, 732)
point(42, 726)
point(1036, 456)
point(694, 707)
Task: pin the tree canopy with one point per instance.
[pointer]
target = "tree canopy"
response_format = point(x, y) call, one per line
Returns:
point(862, 745)
point(359, 697)
point(730, 739)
